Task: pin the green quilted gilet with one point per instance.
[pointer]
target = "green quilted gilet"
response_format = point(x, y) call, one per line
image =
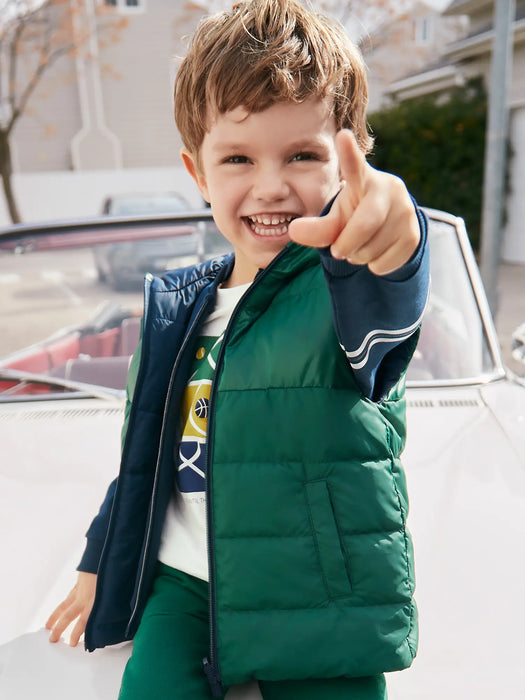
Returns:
point(312, 564)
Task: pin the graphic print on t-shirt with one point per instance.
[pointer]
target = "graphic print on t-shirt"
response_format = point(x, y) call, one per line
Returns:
point(195, 404)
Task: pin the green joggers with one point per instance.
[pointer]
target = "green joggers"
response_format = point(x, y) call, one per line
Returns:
point(173, 638)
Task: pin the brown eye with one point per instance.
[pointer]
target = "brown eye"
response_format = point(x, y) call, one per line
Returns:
point(305, 155)
point(236, 159)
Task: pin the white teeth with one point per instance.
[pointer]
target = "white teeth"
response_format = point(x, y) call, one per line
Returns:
point(271, 219)
point(270, 232)
point(278, 222)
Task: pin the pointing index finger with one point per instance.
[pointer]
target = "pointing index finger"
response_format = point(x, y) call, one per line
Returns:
point(352, 164)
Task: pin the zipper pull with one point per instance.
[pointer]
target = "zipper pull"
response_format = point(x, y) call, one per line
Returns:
point(213, 679)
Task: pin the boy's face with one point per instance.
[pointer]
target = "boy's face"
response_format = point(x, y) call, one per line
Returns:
point(261, 170)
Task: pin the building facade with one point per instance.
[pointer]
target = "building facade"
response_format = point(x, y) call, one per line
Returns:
point(405, 44)
point(101, 120)
point(470, 57)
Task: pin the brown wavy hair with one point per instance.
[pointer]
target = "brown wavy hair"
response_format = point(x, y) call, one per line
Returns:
point(266, 51)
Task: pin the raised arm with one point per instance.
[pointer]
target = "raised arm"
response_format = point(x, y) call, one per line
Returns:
point(373, 244)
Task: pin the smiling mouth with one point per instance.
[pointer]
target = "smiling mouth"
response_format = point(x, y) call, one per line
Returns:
point(269, 224)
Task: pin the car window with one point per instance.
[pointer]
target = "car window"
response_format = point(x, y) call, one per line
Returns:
point(453, 344)
point(71, 300)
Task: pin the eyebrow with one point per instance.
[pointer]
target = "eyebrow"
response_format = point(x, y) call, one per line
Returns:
point(220, 147)
point(302, 144)
point(315, 141)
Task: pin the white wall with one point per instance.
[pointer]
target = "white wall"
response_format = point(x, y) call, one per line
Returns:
point(514, 234)
point(66, 195)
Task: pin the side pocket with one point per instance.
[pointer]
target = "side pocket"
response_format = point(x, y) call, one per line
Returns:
point(327, 539)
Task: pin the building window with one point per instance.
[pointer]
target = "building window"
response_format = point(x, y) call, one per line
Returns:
point(424, 30)
point(126, 5)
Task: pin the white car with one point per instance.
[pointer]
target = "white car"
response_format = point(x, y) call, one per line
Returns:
point(61, 405)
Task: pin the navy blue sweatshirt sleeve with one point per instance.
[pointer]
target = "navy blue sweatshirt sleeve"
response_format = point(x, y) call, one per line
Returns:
point(96, 535)
point(377, 318)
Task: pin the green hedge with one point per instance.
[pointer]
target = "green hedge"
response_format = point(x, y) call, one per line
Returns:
point(437, 147)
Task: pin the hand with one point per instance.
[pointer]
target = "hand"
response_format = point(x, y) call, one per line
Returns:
point(76, 606)
point(372, 220)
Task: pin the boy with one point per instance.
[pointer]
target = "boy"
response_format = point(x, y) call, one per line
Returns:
point(258, 520)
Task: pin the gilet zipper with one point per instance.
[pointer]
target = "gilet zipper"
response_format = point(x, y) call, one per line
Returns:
point(211, 664)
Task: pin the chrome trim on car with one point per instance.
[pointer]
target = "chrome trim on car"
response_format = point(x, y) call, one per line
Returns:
point(479, 381)
point(91, 390)
point(101, 223)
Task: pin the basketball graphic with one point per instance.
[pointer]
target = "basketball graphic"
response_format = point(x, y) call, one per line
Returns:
point(201, 408)
point(194, 417)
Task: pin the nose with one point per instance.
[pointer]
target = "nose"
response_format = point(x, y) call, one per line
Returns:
point(270, 184)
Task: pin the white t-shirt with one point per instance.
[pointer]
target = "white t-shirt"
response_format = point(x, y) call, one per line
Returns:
point(184, 538)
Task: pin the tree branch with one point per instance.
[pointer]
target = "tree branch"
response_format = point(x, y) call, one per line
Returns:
point(47, 58)
point(44, 65)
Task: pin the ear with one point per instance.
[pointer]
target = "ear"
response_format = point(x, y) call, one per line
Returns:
point(195, 171)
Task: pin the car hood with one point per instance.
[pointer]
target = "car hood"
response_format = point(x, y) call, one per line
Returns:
point(465, 466)
point(50, 488)
point(48, 494)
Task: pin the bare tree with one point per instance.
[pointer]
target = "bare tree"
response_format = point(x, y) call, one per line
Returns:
point(34, 35)
point(357, 16)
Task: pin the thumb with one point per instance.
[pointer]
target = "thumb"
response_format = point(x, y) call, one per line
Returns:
point(316, 231)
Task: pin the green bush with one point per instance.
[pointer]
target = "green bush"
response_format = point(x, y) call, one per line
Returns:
point(437, 147)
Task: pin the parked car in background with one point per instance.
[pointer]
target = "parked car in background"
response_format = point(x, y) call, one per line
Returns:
point(124, 264)
point(65, 346)
point(144, 204)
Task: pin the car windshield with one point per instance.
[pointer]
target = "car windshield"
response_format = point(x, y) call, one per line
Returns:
point(454, 344)
point(71, 304)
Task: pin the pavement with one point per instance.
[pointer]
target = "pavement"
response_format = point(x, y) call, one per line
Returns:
point(511, 310)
